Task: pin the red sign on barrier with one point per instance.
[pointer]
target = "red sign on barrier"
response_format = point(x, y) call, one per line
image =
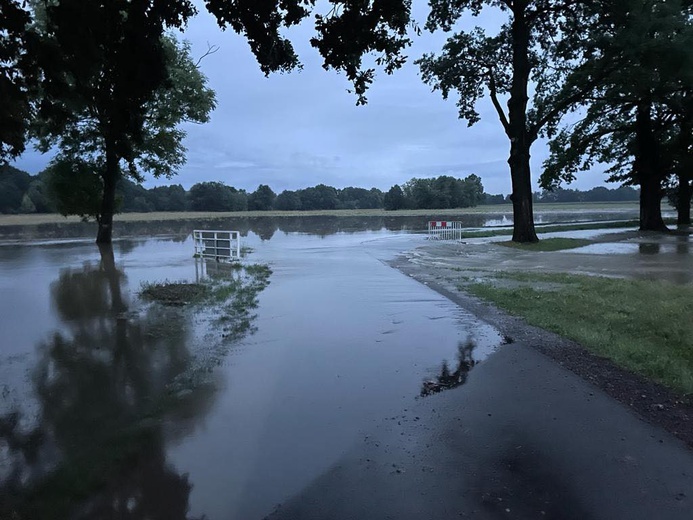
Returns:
point(440, 224)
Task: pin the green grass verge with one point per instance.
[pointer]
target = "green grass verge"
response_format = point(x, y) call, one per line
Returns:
point(644, 326)
point(548, 244)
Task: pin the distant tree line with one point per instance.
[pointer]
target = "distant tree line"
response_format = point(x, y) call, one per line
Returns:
point(598, 194)
point(443, 192)
point(21, 192)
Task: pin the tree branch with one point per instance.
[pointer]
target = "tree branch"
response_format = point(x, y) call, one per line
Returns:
point(494, 99)
point(211, 49)
point(533, 14)
point(563, 105)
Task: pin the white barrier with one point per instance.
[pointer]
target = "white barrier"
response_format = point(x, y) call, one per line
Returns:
point(444, 230)
point(220, 245)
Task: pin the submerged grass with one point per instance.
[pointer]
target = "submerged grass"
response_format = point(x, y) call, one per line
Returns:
point(642, 325)
point(549, 244)
point(555, 228)
point(174, 293)
point(222, 304)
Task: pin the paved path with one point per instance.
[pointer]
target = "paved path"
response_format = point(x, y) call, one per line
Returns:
point(522, 439)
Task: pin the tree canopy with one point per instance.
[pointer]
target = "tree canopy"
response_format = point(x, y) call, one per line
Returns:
point(98, 137)
point(17, 76)
point(637, 118)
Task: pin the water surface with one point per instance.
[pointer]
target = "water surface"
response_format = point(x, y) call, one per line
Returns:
point(112, 406)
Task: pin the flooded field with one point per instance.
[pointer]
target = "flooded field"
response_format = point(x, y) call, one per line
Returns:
point(114, 406)
point(266, 227)
point(229, 397)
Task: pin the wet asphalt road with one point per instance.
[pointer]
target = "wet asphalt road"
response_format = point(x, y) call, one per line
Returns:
point(523, 439)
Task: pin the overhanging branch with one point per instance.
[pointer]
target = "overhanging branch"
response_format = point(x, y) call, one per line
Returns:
point(494, 99)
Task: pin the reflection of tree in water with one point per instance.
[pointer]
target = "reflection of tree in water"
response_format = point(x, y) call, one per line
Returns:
point(452, 379)
point(647, 248)
point(683, 244)
point(96, 447)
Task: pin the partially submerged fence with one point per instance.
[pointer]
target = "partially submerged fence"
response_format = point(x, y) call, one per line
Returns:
point(444, 230)
point(220, 245)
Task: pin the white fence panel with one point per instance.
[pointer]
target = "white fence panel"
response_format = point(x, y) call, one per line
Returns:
point(220, 245)
point(444, 230)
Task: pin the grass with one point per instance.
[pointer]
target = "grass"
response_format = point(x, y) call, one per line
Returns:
point(555, 228)
point(35, 219)
point(643, 326)
point(174, 293)
point(548, 244)
point(240, 288)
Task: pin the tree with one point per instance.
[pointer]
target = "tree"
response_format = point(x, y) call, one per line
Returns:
point(394, 198)
point(442, 192)
point(13, 185)
point(493, 199)
point(472, 191)
point(360, 198)
point(637, 113)
point(680, 146)
point(261, 199)
point(319, 197)
point(115, 97)
point(474, 64)
point(210, 196)
point(239, 200)
point(168, 198)
point(349, 30)
point(288, 201)
point(17, 77)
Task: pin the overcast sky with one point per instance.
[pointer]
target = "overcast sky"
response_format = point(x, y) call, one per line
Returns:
point(300, 129)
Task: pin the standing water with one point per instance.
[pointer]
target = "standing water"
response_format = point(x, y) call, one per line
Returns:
point(115, 406)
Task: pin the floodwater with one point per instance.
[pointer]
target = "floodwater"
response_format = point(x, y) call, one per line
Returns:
point(647, 245)
point(114, 407)
point(266, 227)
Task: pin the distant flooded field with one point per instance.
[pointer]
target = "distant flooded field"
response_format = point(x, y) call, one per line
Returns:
point(504, 209)
point(180, 225)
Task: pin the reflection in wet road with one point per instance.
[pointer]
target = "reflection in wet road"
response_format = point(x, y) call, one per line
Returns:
point(338, 341)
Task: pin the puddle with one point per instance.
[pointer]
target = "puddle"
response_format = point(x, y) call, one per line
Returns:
point(667, 245)
point(225, 408)
point(452, 376)
point(606, 248)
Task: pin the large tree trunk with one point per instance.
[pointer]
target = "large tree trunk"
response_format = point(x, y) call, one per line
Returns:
point(523, 213)
point(683, 202)
point(651, 205)
point(648, 171)
point(520, 140)
point(110, 182)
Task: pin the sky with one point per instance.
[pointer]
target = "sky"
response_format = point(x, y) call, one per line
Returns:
point(300, 129)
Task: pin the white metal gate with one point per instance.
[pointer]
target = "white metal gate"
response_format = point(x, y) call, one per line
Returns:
point(444, 230)
point(220, 245)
